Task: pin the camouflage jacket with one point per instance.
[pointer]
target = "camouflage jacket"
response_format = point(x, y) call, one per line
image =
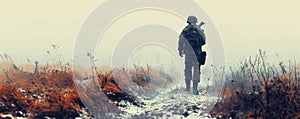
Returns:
point(191, 40)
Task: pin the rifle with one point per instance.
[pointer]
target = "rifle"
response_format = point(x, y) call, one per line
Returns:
point(200, 25)
point(201, 56)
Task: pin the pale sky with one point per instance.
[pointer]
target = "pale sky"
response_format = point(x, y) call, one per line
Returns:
point(28, 28)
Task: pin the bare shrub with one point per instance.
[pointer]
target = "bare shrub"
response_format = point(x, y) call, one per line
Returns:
point(258, 89)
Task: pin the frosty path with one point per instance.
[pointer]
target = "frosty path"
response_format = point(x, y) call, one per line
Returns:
point(171, 105)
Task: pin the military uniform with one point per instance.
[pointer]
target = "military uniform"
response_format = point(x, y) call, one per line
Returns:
point(190, 44)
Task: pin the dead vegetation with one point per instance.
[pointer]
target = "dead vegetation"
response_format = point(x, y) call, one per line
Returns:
point(258, 89)
point(50, 91)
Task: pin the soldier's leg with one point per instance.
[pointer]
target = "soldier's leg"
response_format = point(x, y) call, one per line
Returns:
point(188, 73)
point(196, 78)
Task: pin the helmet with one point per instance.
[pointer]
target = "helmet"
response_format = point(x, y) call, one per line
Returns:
point(192, 19)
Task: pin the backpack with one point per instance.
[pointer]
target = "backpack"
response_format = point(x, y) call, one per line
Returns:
point(194, 36)
point(196, 39)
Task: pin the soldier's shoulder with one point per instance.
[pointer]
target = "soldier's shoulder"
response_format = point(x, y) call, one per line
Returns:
point(186, 28)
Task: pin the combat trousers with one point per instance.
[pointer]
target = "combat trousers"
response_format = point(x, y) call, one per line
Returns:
point(191, 63)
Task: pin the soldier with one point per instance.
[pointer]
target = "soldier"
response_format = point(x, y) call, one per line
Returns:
point(191, 40)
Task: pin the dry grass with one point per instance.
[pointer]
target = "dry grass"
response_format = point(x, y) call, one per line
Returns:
point(257, 89)
point(52, 92)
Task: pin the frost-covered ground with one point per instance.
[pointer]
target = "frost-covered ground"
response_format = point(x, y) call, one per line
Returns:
point(168, 104)
point(175, 104)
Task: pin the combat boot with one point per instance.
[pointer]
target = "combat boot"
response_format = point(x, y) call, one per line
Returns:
point(195, 88)
point(188, 86)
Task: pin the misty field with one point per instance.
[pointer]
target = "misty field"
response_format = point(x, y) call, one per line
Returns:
point(50, 91)
point(253, 89)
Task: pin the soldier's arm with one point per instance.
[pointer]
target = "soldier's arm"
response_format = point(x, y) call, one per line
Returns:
point(181, 40)
point(181, 43)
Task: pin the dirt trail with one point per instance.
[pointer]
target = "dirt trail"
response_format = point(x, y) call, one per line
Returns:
point(170, 105)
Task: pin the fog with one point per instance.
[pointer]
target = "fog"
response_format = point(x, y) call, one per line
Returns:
point(28, 28)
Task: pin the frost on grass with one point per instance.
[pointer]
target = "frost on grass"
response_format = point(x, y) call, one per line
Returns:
point(51, 91)
point(260, 89)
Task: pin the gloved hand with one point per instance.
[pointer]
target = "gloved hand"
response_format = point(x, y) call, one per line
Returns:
point(180, 53)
